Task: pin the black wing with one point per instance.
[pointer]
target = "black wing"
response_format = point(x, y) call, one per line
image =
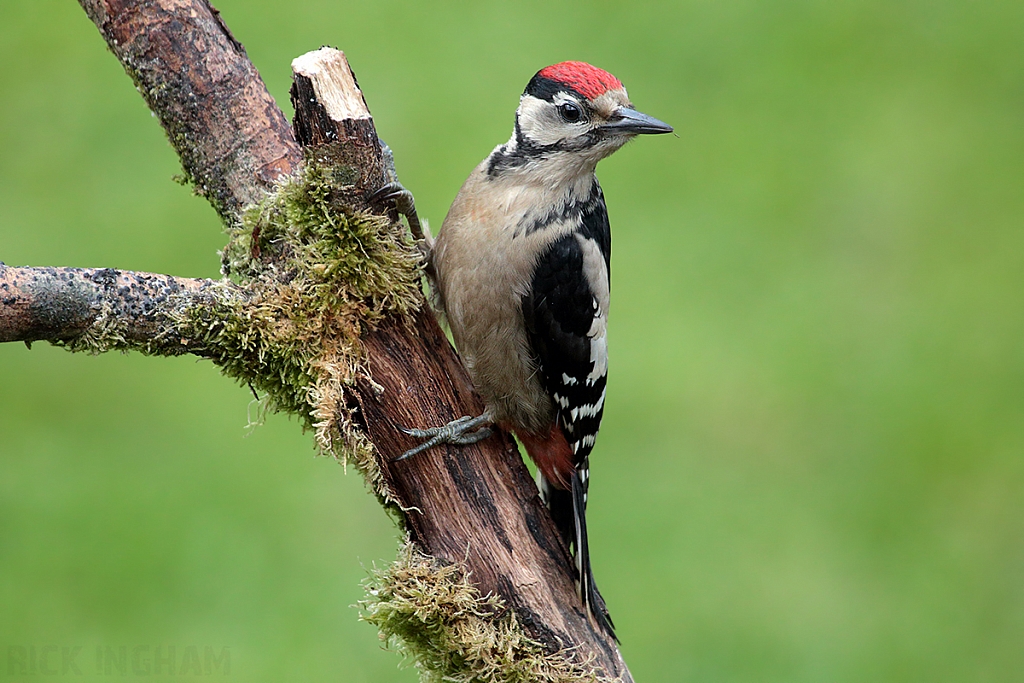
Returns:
point(560, 314)
point(565, 320)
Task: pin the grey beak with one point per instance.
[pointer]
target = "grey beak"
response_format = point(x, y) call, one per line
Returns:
point(626, 120)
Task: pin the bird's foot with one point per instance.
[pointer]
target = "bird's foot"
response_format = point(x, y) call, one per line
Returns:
point(465, 430)
point(405, 204)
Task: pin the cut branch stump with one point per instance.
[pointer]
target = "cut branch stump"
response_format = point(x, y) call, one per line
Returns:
point(472, 510)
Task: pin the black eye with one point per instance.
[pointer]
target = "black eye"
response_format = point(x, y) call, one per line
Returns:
point(570, 112)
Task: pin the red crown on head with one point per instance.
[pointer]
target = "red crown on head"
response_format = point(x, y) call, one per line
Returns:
point(585, 79)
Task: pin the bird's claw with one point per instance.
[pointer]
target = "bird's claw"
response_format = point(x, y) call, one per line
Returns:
point(387, 192)
point(463, 431)
point(404, 202)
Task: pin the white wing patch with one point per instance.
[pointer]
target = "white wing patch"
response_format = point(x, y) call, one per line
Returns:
point(595, 270)
point(599, 357)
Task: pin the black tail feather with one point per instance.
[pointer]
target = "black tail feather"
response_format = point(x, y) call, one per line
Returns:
point(591, 597)
point(559, 503)
point(568, 510)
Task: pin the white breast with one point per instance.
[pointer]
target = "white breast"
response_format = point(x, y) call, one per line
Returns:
point(484, 260)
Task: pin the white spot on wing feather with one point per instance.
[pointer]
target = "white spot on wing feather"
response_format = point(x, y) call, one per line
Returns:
point(590, 410)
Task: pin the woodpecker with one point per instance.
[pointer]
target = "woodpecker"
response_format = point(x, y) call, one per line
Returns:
point(521, 268)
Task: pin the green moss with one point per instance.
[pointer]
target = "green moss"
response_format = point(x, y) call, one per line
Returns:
point(317, 276)
point(453, 634)
point(106, 333)
point(309, 277)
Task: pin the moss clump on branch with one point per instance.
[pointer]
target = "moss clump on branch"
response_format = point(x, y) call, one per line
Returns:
point(310, 277)
point(432, 613)
point(315, 276)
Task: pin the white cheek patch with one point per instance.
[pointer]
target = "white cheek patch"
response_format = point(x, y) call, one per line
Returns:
point(537, 121)
point(540, 122)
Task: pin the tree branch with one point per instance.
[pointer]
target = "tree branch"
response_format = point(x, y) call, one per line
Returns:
point(103, 308)
point(328, 319)
point(470, 505)
point(233, 140)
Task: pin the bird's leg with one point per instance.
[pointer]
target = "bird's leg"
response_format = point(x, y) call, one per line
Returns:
point(465, 430)
point(405, 204)
point(392, 190)
point(395, 192)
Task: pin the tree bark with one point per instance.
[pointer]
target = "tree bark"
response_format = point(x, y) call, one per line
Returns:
point(63, 304)
point(473, 506)
point(233, 139)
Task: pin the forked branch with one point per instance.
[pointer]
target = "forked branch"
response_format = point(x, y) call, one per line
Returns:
point(324, 313)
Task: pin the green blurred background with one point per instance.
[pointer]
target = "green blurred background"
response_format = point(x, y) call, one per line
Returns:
point(811, 464)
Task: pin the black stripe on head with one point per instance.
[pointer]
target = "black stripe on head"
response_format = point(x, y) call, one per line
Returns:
point(545, 89)
point(526, 150)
